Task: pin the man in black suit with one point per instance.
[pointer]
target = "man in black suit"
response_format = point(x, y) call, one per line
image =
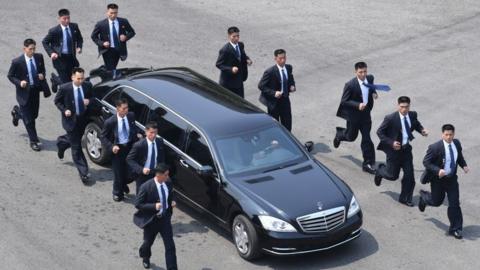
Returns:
point(395, 135)
point(233, 63)
point(441, 162)
point(62, 43)
point(111, 36)
point(145, 154)
point(355, 107)
point(27, 73)
point(118, 135)
point(276, 84)
point(154, 202)
point(73, 100)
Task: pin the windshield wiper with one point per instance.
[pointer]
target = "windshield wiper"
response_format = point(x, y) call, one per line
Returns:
point(281, 167)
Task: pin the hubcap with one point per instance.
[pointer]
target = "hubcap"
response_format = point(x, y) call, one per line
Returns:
point(241, 238)
point(94, 146)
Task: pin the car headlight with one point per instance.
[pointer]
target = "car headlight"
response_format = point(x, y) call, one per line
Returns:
point(353, 208)
point(276, 225)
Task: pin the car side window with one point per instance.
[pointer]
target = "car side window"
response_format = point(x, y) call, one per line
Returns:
point(170, 127)
point(114, 95)
point(198, 150)
point(137, 103)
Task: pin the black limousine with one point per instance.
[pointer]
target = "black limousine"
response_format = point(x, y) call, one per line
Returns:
point(232, 162)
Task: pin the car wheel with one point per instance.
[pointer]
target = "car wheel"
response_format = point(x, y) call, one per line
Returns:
point(92, 144)
point(245, 238)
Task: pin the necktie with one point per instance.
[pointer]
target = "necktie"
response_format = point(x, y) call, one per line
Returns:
point(33, 72)
point(164, 199)
point(152, 156)
point(69, 40)
point(81, 106)
point(407, 128)
point(237, 52)
point(124, 129)
point(115, 36)
point(452, 159)
point(284, 83)
point(382, 87)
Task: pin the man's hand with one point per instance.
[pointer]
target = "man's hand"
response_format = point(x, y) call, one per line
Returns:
point(41, 77)
point(79, 50)
point(54, 56)
point(466, 169)
point(234, 70)
point(375, 95)
point(278, 94)
point(23, 84)
point(139, 135)
point(397, 145)
point(292, 88)
point(68, 113)
point(123, 38)
point(441, 173)
point(362, 106)
point(174, 204)
point(106, 44)
point(424, 132)
point(86, 102)
point(146, 171)
point(249, 62)
point(115, 149)
point(158, 206)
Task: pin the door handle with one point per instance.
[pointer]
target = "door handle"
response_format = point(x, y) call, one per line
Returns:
point(105, 110)
point(184, 163)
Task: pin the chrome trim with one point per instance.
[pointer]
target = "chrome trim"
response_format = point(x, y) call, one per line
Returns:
point(215, 216)
point(355, 234)
point(307, 224)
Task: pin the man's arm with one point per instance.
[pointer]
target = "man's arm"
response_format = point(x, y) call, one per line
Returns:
point(129, 31)
point(382, 132)
point(59, 99)
point(12, 74)
point(460, 159)
point(347, 98)
point(429, 159)
point(106, 134)
point(79, 37)
point(47, 43)
point(221, 62)
point(96, 34)
point(132, 160)
point(140, 199)
point(263, 85)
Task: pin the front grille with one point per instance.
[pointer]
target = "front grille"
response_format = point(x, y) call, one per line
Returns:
point(322, 221)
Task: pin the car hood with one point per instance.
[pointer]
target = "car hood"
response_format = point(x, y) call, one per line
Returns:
point(294, 191)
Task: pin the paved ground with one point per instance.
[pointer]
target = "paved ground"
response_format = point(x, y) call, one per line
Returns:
point(424, 49)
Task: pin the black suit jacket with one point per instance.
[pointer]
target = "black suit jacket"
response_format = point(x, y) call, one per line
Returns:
point(138, 155)
point(19, 72)
point(145, 202)
point(271, 82)
point(391, 129)
point(434, 160)
point(65, 100)
point(351, 99)
point(101, 33)
point(53, 41)
point(227, 58)
point(109, 135)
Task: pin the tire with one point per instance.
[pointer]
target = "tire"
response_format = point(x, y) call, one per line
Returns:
point(92, 144)
point(245, 238)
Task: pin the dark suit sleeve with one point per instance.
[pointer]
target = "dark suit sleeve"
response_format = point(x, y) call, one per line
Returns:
point(59, 99)
point(460, 159)
point(382, 132)
point(291, 79)
point(347, 98)
point(79, 37)
point(263, 85)
point(106, 134)
point(242, 47)
point(161, 147)
point(429, 160)
point(140, 199)
point(221, 61)
point(12, 74)
point(417, 126)
point(96, 34)
point(47, 41)
point(370, 79)
point(129, 31)
point(42, 66)
point(132, 159)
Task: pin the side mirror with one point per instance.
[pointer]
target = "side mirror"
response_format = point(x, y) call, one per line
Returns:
point(205, 171)
point(309, 146)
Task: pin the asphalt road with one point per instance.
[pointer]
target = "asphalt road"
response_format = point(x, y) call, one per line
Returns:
point(425, 49)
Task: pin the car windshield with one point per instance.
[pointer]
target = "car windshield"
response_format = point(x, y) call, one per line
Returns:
point(259, 150)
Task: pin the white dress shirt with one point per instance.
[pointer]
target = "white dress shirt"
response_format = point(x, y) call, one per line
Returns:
point(77, 90)
point(281, 69)
point(121, 138)
point(447, 156)
point(365, 90)
point(165, 189)
point(149, 154)
point(30, 76)
point(64, 44)
point(404, 130)
point(235, 48)
point(115, 22)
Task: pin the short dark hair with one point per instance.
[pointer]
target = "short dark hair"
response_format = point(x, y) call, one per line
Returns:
point(112, 6)
point(151, 125)
point(161, 168)
point(63, 12)
point(77, 70)
point(119, 102)
point(27, 42)
point(278, 52)
point(360, 65)
point(448, 127)
point(233, 29)
point(403, 99)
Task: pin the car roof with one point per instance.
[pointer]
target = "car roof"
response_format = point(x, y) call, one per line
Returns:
point(200, 100)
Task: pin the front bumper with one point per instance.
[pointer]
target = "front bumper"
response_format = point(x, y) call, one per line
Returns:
point(276, 243)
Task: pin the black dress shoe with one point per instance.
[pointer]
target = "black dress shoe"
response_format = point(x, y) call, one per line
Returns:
point(457, 234)
point(117, 198)
point(369, 169)
point(35, 146)
point(85, 179)
point(15, 116)
point(377, 180)
point(126, 189)
point(146, 263)
point(421, 203)
point(407, 203)
point(336, 142)
point(60, 153)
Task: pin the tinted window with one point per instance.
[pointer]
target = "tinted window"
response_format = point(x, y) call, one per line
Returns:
point(170, 127)
point(114, 95)
point(198, 149)
point(137, 103)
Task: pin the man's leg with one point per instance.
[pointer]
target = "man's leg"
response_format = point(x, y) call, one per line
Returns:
point(408, 180)
point(454, 211)
point(149, 233)
point(368, 149)
point(286, 113)
point(167, 236)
